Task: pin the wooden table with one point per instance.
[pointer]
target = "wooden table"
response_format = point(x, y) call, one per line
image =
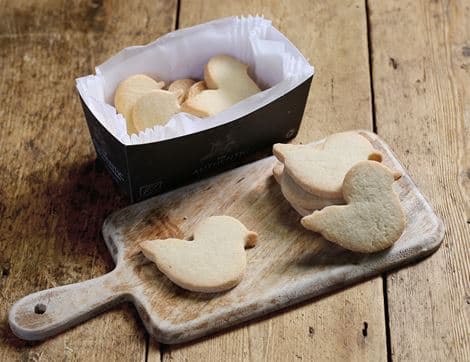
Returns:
point(400, 68)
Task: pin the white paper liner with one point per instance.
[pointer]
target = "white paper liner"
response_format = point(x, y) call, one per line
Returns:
point(274, 62)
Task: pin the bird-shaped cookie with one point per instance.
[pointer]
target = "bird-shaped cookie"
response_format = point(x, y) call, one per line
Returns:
point(228, 82)
point(321, 170)
point(129, 92)
point(214, 261)
point(373, 218)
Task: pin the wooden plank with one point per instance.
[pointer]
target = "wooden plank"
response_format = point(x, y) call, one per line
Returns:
point(53, 199)
point(334, 328)
point(334, 36)
point(421, 73)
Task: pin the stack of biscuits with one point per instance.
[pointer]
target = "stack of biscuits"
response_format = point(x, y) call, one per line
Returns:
point(309, 188)
point(344, 169)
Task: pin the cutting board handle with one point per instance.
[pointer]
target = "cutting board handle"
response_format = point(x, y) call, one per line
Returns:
point(51, 311)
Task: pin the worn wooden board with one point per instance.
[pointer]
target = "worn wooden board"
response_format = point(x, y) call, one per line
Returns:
point(421, 73)
point(288, 265)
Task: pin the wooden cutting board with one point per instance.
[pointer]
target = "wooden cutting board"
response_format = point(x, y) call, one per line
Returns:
point(288, 265)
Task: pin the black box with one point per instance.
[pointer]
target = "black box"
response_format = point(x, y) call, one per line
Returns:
point(144, 170)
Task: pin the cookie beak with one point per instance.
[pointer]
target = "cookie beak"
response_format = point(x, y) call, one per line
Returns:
point(277, 172)
point(397, 175)
point(250, 239)
point(376, 156)
point(279, 150)
point(304, 220)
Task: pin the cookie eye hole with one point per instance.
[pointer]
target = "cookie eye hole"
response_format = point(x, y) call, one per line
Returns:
point(40, 308)
point(375, 157)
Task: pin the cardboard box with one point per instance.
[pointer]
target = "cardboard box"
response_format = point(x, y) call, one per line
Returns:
point(144, 170)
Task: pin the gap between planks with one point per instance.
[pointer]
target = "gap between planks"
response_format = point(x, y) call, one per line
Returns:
point(371, 76)
point(375, 130)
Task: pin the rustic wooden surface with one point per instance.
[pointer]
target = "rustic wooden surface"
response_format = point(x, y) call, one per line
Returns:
point(421, 80)
point(288, 265)
point(53, 198)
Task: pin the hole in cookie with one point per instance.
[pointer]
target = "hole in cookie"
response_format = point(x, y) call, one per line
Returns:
point(375, 157)
point(40, 308)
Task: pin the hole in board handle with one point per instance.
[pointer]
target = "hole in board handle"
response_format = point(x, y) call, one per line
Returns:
point(40, 308)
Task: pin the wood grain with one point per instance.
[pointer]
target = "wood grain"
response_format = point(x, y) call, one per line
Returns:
point(333, 36)
point(53, 199)
point(421, 73)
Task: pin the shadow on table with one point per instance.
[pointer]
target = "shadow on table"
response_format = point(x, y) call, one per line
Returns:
point(65, 211)
point(59, 215)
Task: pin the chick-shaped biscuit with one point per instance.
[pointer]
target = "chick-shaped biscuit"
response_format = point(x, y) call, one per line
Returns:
point(129, 91)
point(228, 83)
point(321, 170)
point(373, 218)
point(181, 88)
point(196, 88)
point(154, 108)
point(214, 261)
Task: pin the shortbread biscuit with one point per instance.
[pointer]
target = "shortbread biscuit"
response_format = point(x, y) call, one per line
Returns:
point(373, 218)
point(181, 88)
point(320, 171)
point(299, 198)
point(154, 108)
point(214, 261)
point(228, 82)
point(129, 91)
point(196, 88)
